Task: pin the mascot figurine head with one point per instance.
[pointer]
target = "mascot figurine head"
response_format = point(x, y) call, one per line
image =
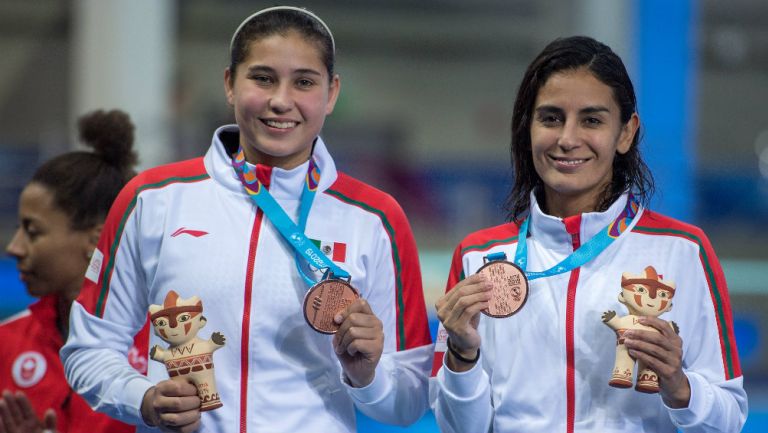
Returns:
point(177, 320)
point(646, 294)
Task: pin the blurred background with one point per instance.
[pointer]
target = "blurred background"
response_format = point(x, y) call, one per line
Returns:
point(427, 94)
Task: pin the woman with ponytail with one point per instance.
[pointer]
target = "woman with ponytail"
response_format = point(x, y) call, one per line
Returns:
point(61, 214)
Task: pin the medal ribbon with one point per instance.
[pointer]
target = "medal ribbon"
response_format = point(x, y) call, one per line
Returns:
point(586, 252)
point(293, 233)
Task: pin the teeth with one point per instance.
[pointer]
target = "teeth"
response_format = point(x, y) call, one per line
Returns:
point(280, 125)
point(571, 161)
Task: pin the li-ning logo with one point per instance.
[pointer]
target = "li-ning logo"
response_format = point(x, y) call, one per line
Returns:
point(186, 231)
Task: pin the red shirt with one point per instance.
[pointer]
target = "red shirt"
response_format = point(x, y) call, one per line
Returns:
point(30, 363)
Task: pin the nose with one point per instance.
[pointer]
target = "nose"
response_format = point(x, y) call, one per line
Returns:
point(569, 136)
point(281, 100)
point(16, 247)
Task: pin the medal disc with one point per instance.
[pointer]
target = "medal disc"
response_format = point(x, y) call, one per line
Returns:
point(510, 288)
point(326, 299)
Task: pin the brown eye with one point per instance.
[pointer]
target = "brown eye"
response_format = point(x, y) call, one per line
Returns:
point(641, 289)
point(304, 83)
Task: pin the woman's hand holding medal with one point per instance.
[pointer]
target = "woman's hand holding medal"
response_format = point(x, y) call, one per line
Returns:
point(459, 311)
point(358, 342)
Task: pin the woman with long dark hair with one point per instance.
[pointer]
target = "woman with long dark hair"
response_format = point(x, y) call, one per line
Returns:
point(541, 359)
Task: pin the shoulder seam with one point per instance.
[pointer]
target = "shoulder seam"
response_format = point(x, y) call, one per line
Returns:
point(389, 229)
point(106, 277)
point(730, 360)
point(488, 245)
point(16, 316)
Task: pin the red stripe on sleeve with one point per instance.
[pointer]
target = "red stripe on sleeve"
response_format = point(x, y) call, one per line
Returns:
point(93, 295)
point(411, 313)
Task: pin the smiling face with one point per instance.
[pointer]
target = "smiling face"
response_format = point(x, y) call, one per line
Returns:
point(178, 328)
point(576, 132)
point(51, 256)
point(281, 94)
point(644, 300)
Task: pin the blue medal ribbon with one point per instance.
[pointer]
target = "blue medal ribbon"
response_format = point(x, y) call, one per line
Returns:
point(586, 252)
point(292, 233)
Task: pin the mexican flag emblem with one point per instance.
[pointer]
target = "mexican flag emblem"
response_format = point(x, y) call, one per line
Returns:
point(336, 251)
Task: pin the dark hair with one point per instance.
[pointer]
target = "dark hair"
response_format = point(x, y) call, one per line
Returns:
point(629, 169)
point(282, 21)
point(84, 184)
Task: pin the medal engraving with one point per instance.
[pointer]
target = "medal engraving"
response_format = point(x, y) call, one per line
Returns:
point(510, 288)
point(326, 299)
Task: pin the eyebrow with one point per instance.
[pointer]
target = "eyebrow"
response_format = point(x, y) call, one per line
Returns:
point(271, 70)
point(585, 110)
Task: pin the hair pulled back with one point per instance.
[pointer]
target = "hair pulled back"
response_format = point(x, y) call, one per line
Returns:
point(282, 21)
point(84, 184)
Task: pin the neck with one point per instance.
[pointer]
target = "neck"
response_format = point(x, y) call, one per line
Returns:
point(287, 162)
point(63, 305)
point(563, 206)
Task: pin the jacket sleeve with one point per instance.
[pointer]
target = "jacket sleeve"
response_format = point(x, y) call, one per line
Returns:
point(108, 313)
point(461, 401)
point(399, 392)
point(718, 401)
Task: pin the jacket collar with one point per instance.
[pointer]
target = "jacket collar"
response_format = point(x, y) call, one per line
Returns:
point(283, 184)
point(45, 311)
point(551, 231)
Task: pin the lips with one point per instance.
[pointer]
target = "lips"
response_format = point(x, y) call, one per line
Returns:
point(568, 163)
point(280, 124)
point(24, 275)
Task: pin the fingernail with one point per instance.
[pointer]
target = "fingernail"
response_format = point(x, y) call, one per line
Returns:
point(338, 319)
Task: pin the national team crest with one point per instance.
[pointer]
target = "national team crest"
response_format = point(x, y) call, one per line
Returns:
point(336, 251)
point(28, 369)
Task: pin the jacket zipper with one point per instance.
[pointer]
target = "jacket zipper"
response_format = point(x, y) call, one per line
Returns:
point(572, 226)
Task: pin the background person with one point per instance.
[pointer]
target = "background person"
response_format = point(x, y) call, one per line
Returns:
point(61, 214)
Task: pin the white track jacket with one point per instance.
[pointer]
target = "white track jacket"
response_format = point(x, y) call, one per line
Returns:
point(546, 368)
point(190, 227)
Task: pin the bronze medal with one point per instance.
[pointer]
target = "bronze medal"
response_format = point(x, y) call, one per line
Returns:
point(510, 288)
point(326, 299)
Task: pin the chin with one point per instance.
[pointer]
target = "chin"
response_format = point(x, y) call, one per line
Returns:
point(37, 292)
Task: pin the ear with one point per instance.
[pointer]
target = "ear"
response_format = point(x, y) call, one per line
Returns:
point(627, 135)
point(203, 321)
point(621, 298)
point(333, 94)
point(94, 234)
point(229, 86)
point(88, 239)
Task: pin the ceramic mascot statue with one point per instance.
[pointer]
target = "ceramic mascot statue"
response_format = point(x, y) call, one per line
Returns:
point(188, 358)
point(646, 294)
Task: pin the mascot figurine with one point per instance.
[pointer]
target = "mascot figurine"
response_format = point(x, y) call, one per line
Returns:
point(188, 357)
point(646, 294)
